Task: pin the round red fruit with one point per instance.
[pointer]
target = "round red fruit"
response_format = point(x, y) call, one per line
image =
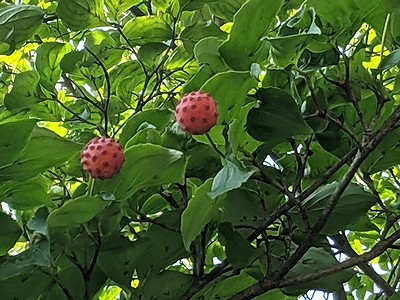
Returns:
point(196, 113)
point(102, 158)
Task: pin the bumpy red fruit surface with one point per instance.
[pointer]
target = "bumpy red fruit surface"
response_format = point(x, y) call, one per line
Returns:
point(102, 158)
point(196, 113)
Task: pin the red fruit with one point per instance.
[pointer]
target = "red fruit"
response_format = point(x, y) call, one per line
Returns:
point(102, 157)
point(196, 113)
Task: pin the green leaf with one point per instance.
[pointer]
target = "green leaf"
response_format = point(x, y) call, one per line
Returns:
point(385, 154)
point(252, 21)
point(226, 9)
point(146, 165)
point(150, 54)
point(48, 59)
point(147, 29)
point(231, 177)
point(395, 296)
point(157, 117)
point(238, 250)
point(9, 233)
point(118, 7)
point(75, 212)
point(206, 51)
point(44, 150)
point(195, 4)
point(27, 194)
point(24, 92)
point(352, 205)
point(117, 260)
point(313, 261)
point(160, 246)
point(229, 89)
point(200, 211)
point(17, 25)
point(14, 136)
point(229, 287)
point(244, 208)
point(81, 14)
point(165, 286)
point(277, 119)
point(311, 61)
point(196, 32)
point(38, 255)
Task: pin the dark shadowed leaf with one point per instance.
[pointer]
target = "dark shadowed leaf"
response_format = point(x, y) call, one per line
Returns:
point(9, 233)
point(277, 119)
point(352, 205)
point(13, 138)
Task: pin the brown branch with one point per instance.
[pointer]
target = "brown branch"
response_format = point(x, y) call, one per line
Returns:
point(269, 284)
point(343, 244)
point(362, 154)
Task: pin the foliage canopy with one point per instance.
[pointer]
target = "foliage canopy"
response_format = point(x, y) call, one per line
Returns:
point(295, 189)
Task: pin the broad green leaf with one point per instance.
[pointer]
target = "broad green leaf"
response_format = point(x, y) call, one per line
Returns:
point(238, 250)
point(13, 138)
point(395, 296)
point(231, 176)
point(227, 288)
point(313, 261)
point(200, 211)
point(352, 205)
point(277, 119)
point(38, 224)
point(117, 7)
point(9, 233)
point(160, 246)
point(75, 212)
point(17, 24)
point(81, 14)
point(38, 255)
point(311, 61)
point(44, 150)
point(165, 285)
point(26, 195)
point(385, 154)
point(147, 29)
point(127, 79)
point(225, 9)
point(157, 117)
point(206, 52)
point(24, 92)
point(244, 208)
point(229, 89)
point(48, 59)
point(390, 61)
point(146, 165)
point(253, 20)
point(30, 285)
point(195, 4)
point(196, 32)
point(117, 260)
point(342, 19)
point(150, 54)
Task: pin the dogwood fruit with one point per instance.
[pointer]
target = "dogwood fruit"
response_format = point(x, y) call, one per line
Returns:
point(196, 113)
point(102, 157)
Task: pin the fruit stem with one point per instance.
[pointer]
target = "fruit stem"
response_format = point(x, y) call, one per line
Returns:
point(91, 186)
point(214, 145)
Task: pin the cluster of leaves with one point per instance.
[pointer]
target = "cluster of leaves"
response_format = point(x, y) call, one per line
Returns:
point(295, 188)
